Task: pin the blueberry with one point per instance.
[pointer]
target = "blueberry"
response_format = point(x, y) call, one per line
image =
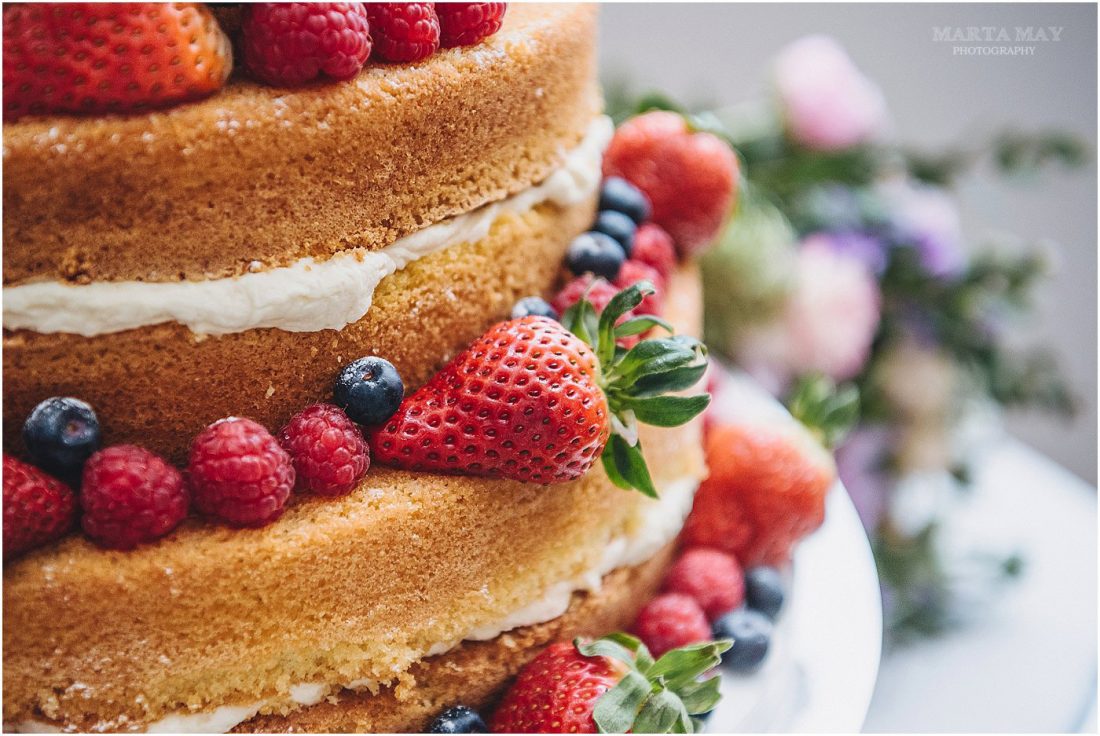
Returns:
point(369, 390)
point(618, 226)
point(534, 305)
point(751, 632)
point(764, 590)
point(458, 719)
point(60, 434)
point(595, 253)
point(622, 196)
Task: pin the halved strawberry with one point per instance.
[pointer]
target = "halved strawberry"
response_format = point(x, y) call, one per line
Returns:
point(539, 401)
point(105, 57)
point(611, 685)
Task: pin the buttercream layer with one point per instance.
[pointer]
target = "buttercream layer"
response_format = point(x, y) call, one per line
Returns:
point(260, 174)
point(306, 296)
point(160, 385)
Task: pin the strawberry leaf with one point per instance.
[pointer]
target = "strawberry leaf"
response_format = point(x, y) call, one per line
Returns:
point(638, 325)
point(667, 411)
point(629, 465)
point(663, 712)
point(617, 709)
point(581, 320)
point(636, 381)
point(655, 697)
point(701, 697)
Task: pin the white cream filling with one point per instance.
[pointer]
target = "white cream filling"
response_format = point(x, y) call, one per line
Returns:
point(306, 296)
point(658, 524)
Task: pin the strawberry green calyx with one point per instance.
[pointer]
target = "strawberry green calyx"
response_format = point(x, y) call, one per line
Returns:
point(656, 696)
point(639, 382)
point(829, 411)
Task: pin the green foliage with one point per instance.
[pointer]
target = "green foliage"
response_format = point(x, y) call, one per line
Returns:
point(639, 382)
point(656, 696)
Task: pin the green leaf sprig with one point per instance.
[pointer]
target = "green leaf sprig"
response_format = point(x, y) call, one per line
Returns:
point(656, 696)
point(639, 382)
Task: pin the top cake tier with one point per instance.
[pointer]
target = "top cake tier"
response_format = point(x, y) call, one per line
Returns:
point(258, 177)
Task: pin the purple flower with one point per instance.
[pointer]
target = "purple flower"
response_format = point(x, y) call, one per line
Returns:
point(927, 219)
point(861, 464)
point(826, 102)
point(860, 246)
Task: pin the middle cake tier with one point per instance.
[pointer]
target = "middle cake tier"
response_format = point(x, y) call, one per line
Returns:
point(160, 361)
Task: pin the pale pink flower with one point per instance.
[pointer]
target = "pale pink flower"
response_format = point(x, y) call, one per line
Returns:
point(827, 103)
point(826, 326)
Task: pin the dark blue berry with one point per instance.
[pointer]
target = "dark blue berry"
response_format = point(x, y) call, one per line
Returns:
point(60, 434)
point(622, 196)
point(764, 590)
point(595, 253)
point(534, 305)
point(618, 226)
point(458, 719)
point(751, 632)
point(369, 390)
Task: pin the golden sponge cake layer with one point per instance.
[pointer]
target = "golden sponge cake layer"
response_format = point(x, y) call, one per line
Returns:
point(339, 591)
point(159, 386)
point(269, 175)
point(474, 673)
point(353, 590)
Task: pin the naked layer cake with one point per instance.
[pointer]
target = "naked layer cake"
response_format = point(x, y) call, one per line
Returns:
point(408, 250)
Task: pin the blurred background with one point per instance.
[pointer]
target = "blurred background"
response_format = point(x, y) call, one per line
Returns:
point(719, 54)
point(1026, 658)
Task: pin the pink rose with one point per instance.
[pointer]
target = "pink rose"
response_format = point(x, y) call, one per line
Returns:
point(827, 103)
point(827, 324)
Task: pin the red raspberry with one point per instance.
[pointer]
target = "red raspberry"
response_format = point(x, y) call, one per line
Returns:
point(464, 24)
point(239, 474)
point(634, 271)
point(130, 496)
point(403, 31)
point(653, 247)
point(710, 576)
point(599, 296)
point(287, 44)
point(690, 178)
point(670, 621)
point(327, 449)
point(37, 507)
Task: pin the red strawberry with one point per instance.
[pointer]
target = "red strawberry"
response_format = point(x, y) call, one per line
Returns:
point(403, 31)
point(103, 57)
point(560, 689)
point(288, 44)
point(37, 507)
point(766, 490)
point(464, 24)
point(529, 400)
point(710, 576)
point(671, 621)
point(522, 402)
point(634, 271)
point(653, 247)
point(690, 178)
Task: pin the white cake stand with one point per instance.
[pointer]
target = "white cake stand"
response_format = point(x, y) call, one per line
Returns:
point(821, 670)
